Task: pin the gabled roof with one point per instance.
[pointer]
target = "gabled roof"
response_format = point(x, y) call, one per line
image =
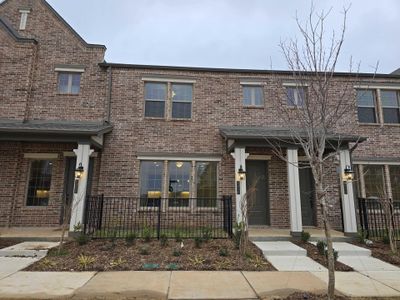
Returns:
point(10, 30)
point(65, 23)
point(396, 72)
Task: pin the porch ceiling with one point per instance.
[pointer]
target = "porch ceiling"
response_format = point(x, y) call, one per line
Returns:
point(256, 136)
point(54, 131)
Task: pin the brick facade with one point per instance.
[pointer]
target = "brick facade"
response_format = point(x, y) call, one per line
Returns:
point(30, 93)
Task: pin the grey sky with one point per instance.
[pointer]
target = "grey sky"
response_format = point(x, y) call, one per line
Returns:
point(229, 33)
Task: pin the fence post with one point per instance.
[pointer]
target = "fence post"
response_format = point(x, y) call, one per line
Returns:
point(365, 216)
point(100, 212)
point(158, 218)
point(85, 214)
point(227, 207)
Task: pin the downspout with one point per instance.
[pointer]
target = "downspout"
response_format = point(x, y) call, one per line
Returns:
point(109, 94)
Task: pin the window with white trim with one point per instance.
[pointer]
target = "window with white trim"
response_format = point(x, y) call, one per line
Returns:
point(69, 83)
point(390, 106)
point(155, 95)
point(253, 96)
point(24, 18)
point(366, 103)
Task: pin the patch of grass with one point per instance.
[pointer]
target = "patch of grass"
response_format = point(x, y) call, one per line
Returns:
point(147, 234)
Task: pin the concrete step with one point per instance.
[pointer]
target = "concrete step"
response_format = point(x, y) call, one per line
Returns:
point(280, 248)
point(346, 249)
point(28, 249)
point(295, 263)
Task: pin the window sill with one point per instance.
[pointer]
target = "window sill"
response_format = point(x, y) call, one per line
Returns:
point(185, 120)
point(67, 94)
point(155, 118)
point(253, 107)
point(36, 206)
point(369, 124)
point(391, 124)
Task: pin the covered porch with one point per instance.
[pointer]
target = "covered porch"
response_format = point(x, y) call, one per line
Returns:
point(283, 187)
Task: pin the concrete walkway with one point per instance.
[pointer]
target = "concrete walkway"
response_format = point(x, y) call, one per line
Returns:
point(187, 285)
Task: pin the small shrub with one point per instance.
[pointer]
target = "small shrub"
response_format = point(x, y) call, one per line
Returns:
point(47, 263)
point(144, 250)
point(248, 255)
point(117, 262)
point(197, 261)
point(223, 252)
point(82, 239)
point(130, 239)
point(386, 240)
point(163, 240)
point(178, 236)
point(198, 241)
point(335, 254)
point(85, 261)
point(305, 236)
point(147, 234)
point(237, 234)
point(257, 262)
point(177, 252)
point(321, 246)
point(207, 234)
point(361, 236)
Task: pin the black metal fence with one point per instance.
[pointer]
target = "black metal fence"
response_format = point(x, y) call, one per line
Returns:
point(375, 217)
point(121, 217)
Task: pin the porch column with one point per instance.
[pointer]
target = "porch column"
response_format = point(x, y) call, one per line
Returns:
point(296, 226)
point(78, 204)
point(346, 189)
point(240, 156)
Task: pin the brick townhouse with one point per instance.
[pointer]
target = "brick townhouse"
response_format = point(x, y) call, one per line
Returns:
point(178, 133)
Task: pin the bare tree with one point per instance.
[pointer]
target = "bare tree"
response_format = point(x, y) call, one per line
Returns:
point(317, 109)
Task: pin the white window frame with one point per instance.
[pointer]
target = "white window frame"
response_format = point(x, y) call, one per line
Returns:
point(69, 87)
point(24, 18)
point(253, 86)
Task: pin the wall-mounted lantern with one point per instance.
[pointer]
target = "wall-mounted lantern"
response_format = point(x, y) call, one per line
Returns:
point(348, 174)
point(241, 173)
point(79, 171)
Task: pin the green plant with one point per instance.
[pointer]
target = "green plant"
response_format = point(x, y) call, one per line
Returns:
point(198, 241)
point(305, 236)
point(144, 250)
point(85, 261)
point(257, 262)
point(238, 229)
point(248, 255)
point(223, 264)
point(47, 263)
point(178, 236)
point(321, 246)
point(361, 236)
point(78, 227)
point(223, 252)
point(147, 234)
point(82, 239)
point(130, 238)
point(207, 234)
point(386, 239)
point(117, 262)
point(163, 240)
point(177, 252)
point(197, 261)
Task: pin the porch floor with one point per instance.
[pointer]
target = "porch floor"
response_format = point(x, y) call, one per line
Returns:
point(279, 234)
point(32, 233)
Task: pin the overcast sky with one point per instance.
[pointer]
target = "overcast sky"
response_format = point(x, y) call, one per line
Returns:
point(229, 33)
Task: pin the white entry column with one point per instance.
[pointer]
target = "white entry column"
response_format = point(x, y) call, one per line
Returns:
point(78, 205)
point(296, 226)
point(240, 156)
point(346, 189)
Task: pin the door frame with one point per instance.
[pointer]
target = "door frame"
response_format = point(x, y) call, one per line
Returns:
point(314, 197)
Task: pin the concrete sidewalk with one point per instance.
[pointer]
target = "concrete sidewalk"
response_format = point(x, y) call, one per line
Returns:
point(188, 285)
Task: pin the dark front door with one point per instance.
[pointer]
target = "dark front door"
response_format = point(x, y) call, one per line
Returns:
point(257, 192)
point(307, 196)
point(69, 181)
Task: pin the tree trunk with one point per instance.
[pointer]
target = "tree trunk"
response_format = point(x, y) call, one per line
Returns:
point(331, 261)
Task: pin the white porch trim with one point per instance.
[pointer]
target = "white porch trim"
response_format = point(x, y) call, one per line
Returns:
point(77, 210)
point(349, 211)
point(240, 157)
point(296, 225)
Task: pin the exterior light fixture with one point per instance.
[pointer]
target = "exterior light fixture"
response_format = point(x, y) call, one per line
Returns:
point(179, 164)
point(79, 171)
point(241, 173)
point(348, 174)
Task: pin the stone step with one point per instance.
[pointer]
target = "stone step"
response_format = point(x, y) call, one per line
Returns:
point(280, 248)
point(28, 249)
point(346, 249)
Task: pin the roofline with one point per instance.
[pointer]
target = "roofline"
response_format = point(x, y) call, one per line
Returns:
point(67, 25)
point(15, 34)
point(233, 70)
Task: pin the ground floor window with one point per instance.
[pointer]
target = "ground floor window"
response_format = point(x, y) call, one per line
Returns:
point(395, 182)
point(39, 183)
point(374, 181)
point(184, 181)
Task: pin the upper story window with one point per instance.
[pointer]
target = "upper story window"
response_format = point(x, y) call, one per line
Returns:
point(155, 96)
point(253, 96)
point(39, 183)
point(390, 106)
point(24, 18)
point(168, 100)
point(296, 96)
point(69, 83)
point(366, 106)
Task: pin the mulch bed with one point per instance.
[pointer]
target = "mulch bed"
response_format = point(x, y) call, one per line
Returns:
point(309, 296)
point(4, 243)
point(382, 251)
point(104, 255)
point(312, 252)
